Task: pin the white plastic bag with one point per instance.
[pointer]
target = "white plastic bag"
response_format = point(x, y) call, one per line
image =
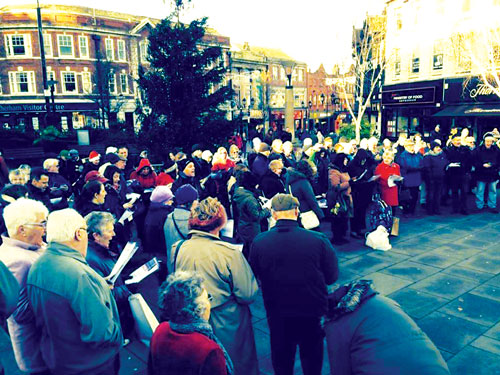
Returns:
point(145, 319)
point(379, 239)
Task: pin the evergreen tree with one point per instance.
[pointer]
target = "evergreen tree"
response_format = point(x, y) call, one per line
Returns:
point(183, 87)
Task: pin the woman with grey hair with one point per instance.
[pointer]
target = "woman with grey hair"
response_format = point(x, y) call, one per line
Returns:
point(100, 229)
point(228, 278)
point(184, 343)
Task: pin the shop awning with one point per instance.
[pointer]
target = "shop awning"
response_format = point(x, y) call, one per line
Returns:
point(471, 110)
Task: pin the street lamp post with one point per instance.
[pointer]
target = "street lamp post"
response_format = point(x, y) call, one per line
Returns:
point(289, 100)
point(309, 115)
point(323, 103)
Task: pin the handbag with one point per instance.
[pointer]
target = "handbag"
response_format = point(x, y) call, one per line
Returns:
point(337, 203)
point(395, 227)
point(309, 220)
point(145, 320)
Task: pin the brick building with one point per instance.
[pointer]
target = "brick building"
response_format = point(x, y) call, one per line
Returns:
point(92, 59)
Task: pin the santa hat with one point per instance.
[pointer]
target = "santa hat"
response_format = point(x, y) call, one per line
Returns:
point(94, 156)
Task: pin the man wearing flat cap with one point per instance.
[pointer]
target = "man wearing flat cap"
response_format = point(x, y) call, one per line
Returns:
point(294, 266)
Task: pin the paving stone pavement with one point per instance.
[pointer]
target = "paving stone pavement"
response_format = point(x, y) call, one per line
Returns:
point(443, 270)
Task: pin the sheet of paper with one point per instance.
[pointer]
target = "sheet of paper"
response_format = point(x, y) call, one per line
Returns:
point(228, 230)
point(143, 271)
point(127, 215)
point(374, 178)
point(128, 252)
point(391, 181)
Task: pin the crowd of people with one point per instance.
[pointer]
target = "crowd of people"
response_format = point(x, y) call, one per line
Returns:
point(65, 222)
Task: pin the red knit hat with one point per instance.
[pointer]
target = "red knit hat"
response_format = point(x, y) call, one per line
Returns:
point(94, 155)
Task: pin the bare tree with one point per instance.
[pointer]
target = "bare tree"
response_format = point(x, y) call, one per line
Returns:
point(477, 53)
point(369, 62)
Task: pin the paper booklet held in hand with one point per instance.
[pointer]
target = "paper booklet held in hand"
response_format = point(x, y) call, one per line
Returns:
point(128, 252)
point(391, 181)
point(143, 271)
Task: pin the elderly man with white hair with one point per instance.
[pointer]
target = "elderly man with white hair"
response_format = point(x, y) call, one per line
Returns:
point(73, 305)
point(25, 220)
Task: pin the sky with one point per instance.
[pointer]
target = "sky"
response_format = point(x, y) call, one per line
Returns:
point(312, 31)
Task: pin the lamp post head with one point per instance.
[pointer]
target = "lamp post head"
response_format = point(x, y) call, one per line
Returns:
point(288, 65)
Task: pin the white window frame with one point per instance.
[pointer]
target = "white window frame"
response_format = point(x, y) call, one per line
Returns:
point(86, 83)
point(143, 50)
point(121, 46)
point(112, 78)
point(59, 37)
point(124, 79)
point(26, 43)
point(63, 82)
point(47, 42)
point(30, 75)
point(110, 49)
point(275, 73)
point(86, 39)
point(51, 75)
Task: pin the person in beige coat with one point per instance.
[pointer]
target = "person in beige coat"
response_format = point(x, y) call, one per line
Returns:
point(228, 278)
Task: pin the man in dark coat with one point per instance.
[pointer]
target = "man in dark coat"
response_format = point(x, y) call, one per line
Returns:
point(456, 173)
point(261, 162)
point(435, 162)
point(39, 186)
point(487, 161)
point(9, 295)
point(294, 266)
point(411, 164)
point(367, 333)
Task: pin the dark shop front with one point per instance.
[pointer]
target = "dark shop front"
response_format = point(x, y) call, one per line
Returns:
point(409, 107)
point(469, 103)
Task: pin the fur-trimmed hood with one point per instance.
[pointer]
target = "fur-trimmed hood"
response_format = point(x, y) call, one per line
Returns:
point(348, 298)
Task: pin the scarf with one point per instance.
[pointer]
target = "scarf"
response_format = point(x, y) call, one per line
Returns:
point(352, 296)
point(202, 327)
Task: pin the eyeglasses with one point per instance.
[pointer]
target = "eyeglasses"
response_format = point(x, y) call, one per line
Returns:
point(210, 298)
point(43, 224)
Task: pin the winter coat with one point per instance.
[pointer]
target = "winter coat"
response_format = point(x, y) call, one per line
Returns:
point(435, 165)
point(340, 179)
point(174, 232)
point(148, 181)
point(250, 213)
point(411, 166)
point(230, 281)
point(184, 353)
point(389, 194)
point(260, 166)
point(84, 208)
point(76, 312)
point(294, 266)
point(19, 257)
point(301, 189)
point(9, 294)
point(40, 195)
point(154, 237)
point(483, 155)
point(367, 333)
point(271, 184)
point(59, 187)
point(461, 155)
point(114, 201)
point(102, 262)
point(182, 179)
point(164, 179)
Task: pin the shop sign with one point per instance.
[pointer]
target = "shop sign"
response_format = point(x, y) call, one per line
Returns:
point(469, 91)
point(425, 95)
point(59, 107)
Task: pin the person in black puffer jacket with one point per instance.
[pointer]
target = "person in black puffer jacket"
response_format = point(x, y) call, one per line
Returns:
point(298, 183)
point(435, 162)
point(487, 161)
point(250, 211)
point(272, 182)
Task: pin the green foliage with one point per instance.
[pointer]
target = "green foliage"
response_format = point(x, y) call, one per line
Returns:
point(179, 88)
point(349, 130)
point(50, 133)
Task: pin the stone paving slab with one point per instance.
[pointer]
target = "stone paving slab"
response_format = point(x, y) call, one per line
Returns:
point(449, 332)
point(474, 308)
point(475, 362)
point(445, 285)
point(417, 303)
point(386, 284)
point(411, 270)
